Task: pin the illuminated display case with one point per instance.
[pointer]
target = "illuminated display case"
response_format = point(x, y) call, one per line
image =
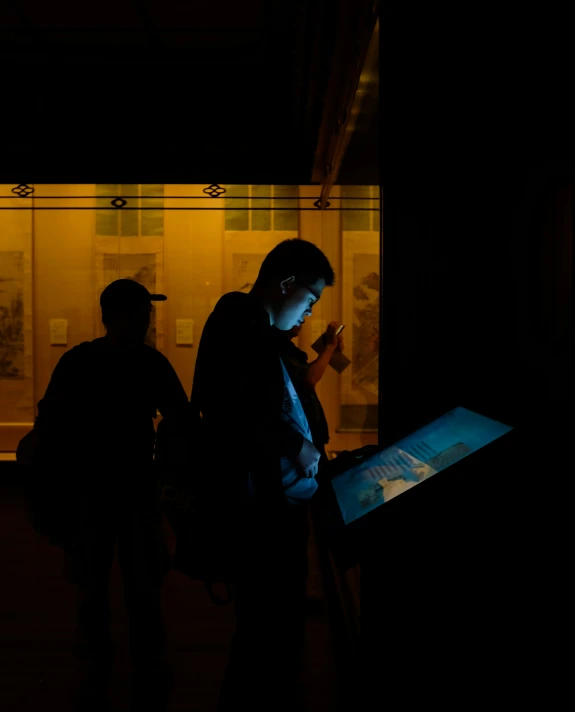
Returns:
point(61, 244)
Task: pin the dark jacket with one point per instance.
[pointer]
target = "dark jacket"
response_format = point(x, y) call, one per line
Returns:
point(99, 407)
point(95, 435)
point(297, 365)
point(238, 388)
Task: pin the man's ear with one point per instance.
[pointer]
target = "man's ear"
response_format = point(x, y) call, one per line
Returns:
point(287, 284)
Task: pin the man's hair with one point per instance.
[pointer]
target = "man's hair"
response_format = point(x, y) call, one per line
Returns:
point(296, 258)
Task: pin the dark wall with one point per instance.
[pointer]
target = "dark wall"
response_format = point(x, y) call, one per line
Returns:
point(477, 221)
point(478, 187)
point(231, 93)
point(447, 295)
point(476, 312)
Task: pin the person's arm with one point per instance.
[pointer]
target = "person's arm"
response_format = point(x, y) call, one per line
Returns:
point(173, 433)
point(58, 396)
point(172, 398)
point(317, 368)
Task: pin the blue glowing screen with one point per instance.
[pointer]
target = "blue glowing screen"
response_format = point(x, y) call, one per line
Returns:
point(412, 460)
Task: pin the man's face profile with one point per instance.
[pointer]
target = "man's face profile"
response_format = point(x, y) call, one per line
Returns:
point(296, 302)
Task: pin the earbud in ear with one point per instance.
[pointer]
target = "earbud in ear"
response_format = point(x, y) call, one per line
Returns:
point(286, 283)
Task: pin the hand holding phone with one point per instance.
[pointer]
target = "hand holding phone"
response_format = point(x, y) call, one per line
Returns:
point(330, 335)
point(339, 360)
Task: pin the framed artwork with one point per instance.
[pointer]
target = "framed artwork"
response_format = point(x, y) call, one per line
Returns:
point(250, 234)
point(360, 308)
point(276, 208)
point(143, 267)
point(129, 244)
point(11, 315)
point(365, 325)
point(243, 254)
point(16, 326)
point(245, 268)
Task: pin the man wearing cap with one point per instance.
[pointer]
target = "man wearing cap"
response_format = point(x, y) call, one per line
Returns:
point(95, 426)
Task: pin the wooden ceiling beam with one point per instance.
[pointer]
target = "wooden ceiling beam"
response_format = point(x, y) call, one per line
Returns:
point(357, 39)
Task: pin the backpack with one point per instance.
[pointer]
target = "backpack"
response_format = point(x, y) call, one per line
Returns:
point(47, 493)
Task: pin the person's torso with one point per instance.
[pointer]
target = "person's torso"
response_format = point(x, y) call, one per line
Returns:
point(295, 361)
point(111, 411)
point(234, 338)
point(297, 489)
point(237, 340)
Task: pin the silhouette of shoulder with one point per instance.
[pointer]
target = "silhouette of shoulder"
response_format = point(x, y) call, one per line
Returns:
point(94, 364)
point(99, 347)
point(237, 311)
point(233, 304)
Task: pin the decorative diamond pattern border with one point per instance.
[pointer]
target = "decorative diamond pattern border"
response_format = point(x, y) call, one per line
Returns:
point(23, 190)
point(214, 190)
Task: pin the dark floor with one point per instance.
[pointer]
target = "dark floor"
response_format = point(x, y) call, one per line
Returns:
point(37, 608)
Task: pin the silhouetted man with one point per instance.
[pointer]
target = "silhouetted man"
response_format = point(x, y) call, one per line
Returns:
point(262, 454)
point(96, 438)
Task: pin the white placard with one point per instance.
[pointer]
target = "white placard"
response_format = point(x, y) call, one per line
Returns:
point(318, 327)
point(58, 332)
point(185, 332)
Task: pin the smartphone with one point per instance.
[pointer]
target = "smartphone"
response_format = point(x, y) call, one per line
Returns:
point(341, 328)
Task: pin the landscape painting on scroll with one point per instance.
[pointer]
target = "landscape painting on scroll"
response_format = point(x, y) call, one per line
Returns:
point(142, 269)
point(11, 315)
point(246, 268)
point(365, 334)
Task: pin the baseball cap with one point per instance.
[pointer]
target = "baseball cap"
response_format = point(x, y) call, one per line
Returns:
point(126, 294)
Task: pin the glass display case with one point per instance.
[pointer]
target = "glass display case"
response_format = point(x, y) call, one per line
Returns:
point(60, 245)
